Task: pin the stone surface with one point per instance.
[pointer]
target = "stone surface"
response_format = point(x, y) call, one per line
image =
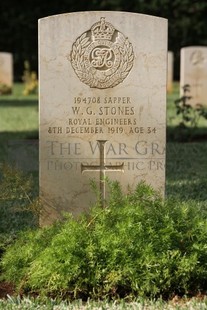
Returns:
point(6, 69)
point(102, 106)
point(193, 71)
point(170, 60)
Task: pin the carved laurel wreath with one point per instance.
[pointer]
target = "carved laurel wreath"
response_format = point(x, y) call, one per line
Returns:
point(77, 58)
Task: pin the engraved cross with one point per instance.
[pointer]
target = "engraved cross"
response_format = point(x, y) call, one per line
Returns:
point(102, 168)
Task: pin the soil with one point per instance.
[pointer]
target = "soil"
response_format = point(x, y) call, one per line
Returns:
point(6, 289)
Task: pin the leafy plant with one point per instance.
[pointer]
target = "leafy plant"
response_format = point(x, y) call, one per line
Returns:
point(190, 115)
point(5, 89)
point(138, 245)
point(30, 80)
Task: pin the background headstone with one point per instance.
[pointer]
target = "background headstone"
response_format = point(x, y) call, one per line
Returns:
point(102, 106)
point(169, 71)
point(6, 71)
point(193, 71)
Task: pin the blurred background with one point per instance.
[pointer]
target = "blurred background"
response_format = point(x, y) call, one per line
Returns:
point(19, 24)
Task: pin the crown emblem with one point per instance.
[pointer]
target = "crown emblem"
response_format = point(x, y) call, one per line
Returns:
point(102, 56)
point(102, 30)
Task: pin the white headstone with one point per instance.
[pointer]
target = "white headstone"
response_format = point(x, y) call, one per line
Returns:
point(170, 71)
point(193, 71)
point(102, 106)
point(6, 71)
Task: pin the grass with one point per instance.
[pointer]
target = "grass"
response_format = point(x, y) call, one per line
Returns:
point(18, 112)
point(32, 304)
point(186, 176)
point(18, 118)
point(186, 179)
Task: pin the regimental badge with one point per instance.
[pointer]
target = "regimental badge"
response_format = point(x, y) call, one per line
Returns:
point(102, 57)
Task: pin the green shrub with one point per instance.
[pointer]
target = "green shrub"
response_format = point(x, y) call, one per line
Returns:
point(5, 89)
point(138, 245)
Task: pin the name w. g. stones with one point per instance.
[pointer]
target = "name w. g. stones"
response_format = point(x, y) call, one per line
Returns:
point(109, 115)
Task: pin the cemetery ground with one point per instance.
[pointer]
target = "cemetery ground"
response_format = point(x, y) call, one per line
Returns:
point(186, 184)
